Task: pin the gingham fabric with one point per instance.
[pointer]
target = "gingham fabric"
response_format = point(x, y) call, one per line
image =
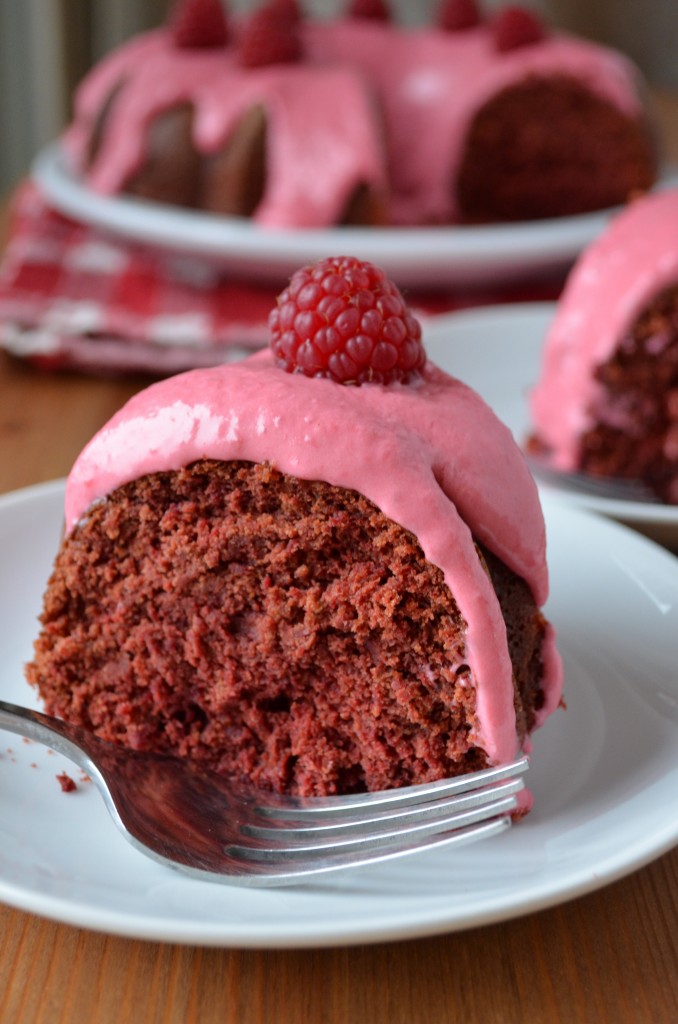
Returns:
point(73, 297)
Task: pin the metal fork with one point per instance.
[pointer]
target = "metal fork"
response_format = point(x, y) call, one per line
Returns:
point(220, 831)
point(611, 488)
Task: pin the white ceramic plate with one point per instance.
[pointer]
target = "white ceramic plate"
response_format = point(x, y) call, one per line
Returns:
point(497, 351)
point(604, 776)
point(414, 257)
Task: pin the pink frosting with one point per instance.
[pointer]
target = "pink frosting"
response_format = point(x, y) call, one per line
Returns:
point(431, 456)
point(333, 110)
point(617, 276)
point(429, 83)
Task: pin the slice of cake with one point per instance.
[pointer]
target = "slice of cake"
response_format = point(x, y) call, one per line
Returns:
point(606, 401)
point(320, 569)
point(302, 123)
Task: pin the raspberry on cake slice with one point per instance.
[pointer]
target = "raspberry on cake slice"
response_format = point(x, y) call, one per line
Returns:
point(342, 318)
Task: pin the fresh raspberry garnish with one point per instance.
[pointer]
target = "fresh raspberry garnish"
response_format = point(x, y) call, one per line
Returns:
point(290, 8)
point(458, 15)
point(271, 35)
point(199, 23)
point(515, 27)
point(376, 10)
point(342, 318)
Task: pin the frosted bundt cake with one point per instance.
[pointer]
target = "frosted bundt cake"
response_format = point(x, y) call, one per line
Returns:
point(319, 569)
point(606, 401)
point(302, 123)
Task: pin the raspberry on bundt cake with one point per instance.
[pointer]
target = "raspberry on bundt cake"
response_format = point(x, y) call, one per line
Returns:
point(308, 123)
point(606, 399)
point(319, 569)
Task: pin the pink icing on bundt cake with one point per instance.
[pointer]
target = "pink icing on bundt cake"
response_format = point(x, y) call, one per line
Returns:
point(372, 123)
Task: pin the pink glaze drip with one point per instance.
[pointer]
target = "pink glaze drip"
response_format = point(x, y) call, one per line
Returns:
point(332, 109)
point(429, 84)
point(432, 457)
point(618, 275)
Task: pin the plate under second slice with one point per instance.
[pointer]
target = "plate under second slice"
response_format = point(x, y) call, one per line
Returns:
point(496, 350)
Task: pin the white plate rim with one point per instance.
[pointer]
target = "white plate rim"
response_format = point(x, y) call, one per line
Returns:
point(471, 253)
point(284, 934)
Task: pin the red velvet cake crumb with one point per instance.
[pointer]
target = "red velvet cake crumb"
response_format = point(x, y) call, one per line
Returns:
point(66, 782)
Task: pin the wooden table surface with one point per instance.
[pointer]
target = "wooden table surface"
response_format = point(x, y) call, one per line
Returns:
point(610, 957)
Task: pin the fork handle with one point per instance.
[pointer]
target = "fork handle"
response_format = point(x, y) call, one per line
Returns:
point(51, 732)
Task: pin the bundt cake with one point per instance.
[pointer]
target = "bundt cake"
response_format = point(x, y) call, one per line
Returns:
point(606, 399)
point(319, 569)
point(310, 123)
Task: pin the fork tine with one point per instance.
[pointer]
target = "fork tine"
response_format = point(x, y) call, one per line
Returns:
point(280, 871)
point(198, 822)
point(279, 868)
point(355, 804)
point(284, 848)
point(615, 488)
point(371, 822)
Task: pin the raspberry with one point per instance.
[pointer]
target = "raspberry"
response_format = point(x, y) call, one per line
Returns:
point(271, 35)
point(458, 15)
point(515, 27)
point(199, 23)
point(376, 10)
point(290, 7)
point(342, 318)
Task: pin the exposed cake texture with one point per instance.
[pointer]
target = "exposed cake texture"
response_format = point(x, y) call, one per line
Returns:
point(315, 586)
point(606, 401)
point(549, 147)
point(273, 629)
point(375, 124)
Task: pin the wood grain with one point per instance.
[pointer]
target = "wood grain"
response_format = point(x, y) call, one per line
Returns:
point(610, 957)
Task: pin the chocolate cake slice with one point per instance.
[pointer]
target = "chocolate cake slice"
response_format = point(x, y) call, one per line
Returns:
point(320, 569)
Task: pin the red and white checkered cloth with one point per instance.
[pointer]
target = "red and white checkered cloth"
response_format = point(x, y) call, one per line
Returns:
point(74, 297)
point(71, 296)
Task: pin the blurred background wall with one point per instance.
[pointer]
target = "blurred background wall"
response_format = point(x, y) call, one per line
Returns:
point(47, 45)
